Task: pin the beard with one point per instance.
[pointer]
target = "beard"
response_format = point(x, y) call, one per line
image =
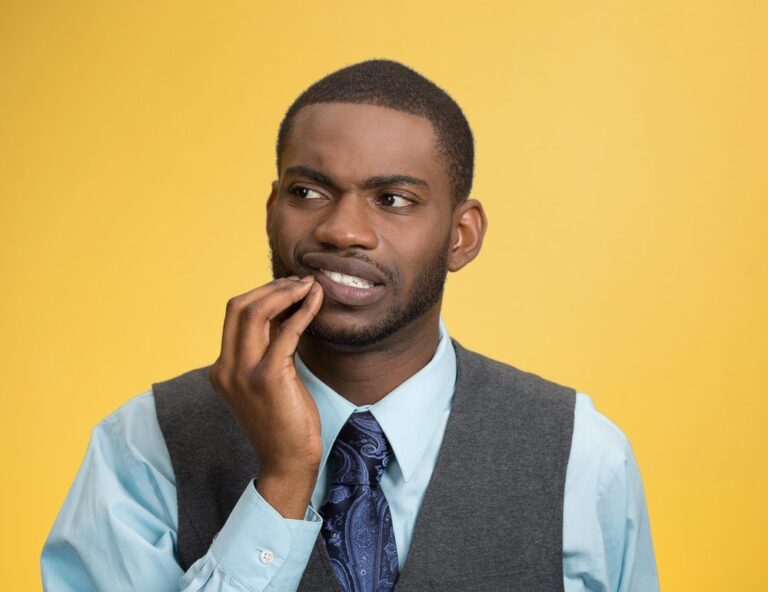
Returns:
point(423, 295)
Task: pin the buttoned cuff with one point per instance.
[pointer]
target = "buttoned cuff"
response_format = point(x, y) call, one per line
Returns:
point(256, 543)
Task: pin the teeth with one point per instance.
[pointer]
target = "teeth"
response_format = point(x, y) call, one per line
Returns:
point(347, 280)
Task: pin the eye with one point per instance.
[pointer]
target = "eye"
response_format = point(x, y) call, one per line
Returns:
point(396, 201)
point(304, 192)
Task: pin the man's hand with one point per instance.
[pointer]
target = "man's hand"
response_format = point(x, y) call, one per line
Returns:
point(256, 376)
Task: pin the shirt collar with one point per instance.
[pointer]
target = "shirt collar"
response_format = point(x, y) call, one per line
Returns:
point(407, 415)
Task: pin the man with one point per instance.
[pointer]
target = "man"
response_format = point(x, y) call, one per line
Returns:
point(342, 440)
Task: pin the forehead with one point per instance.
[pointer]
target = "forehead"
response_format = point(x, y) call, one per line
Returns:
point(351, 142)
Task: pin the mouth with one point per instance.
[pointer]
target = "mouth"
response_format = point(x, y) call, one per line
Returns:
point(347, 289)
point(346, 280)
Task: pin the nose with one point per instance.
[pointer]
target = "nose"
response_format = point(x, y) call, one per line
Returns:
point(346, 224)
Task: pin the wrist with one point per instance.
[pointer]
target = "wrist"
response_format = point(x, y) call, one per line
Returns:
point(288, 494)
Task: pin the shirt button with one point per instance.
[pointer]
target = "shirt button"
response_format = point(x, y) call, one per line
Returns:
point(266, 556)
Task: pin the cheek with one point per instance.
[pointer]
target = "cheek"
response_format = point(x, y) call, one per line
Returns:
point(285, 231)
point(413, 259)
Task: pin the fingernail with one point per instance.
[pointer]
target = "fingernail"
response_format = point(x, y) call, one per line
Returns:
point(315, 288)
point(308, 278)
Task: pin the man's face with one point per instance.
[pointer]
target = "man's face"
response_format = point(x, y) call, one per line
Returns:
point(362, 191)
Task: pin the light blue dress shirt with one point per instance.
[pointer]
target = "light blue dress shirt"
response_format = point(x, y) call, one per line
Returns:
point(117, 528)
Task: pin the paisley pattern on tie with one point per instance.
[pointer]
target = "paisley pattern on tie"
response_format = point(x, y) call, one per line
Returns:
point(357, 524)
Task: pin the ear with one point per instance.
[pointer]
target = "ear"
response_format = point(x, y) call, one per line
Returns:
point(467, 231)
point(271, 202)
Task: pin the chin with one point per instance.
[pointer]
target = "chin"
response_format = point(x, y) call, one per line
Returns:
point(365, 331)
point(345, 333)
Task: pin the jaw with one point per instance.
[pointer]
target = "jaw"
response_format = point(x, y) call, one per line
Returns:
point(390, 330)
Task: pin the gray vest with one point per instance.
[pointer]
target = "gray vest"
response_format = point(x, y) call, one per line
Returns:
point(492, 516)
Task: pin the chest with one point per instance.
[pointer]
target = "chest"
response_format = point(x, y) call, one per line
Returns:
point(491, 515)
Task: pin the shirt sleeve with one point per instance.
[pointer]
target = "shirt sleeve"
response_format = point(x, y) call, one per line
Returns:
point(117, 528)
point(270, 556)
point(623, 516)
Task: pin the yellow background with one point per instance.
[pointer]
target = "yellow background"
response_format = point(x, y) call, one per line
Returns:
point(621, 158)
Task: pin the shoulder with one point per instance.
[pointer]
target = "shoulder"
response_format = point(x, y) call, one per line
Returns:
point(596, 430)
point(186, 397)
point(133, 433)
point(600, 450)
point(136, 413)
point(479, 369)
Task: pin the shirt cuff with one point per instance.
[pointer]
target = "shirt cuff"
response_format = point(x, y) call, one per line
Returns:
point(256, 542)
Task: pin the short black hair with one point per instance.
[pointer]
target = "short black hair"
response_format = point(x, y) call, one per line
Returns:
point(387, 83)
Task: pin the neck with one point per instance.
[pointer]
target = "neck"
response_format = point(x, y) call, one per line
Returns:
point(364, 377)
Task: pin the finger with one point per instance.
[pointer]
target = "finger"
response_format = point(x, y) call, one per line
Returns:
point(231, 328)
point(283, 346)
point(255, 319)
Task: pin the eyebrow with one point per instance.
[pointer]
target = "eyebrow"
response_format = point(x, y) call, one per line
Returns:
point(369, 183)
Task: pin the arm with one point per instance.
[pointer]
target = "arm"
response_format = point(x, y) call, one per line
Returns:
point(117, 528)
point(623, 516)
point(270, 557)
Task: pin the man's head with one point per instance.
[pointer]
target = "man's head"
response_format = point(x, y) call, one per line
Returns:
point(374, 170)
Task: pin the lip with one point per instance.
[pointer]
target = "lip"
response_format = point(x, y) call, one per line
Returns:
point(346, 295)
point(347, 266)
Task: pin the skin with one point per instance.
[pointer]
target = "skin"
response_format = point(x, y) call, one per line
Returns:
point(410, 232)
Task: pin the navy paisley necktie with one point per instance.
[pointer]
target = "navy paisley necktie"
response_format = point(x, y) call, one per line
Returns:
point(357, 525)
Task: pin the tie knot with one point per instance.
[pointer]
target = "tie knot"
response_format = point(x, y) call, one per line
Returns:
point(361, 451)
